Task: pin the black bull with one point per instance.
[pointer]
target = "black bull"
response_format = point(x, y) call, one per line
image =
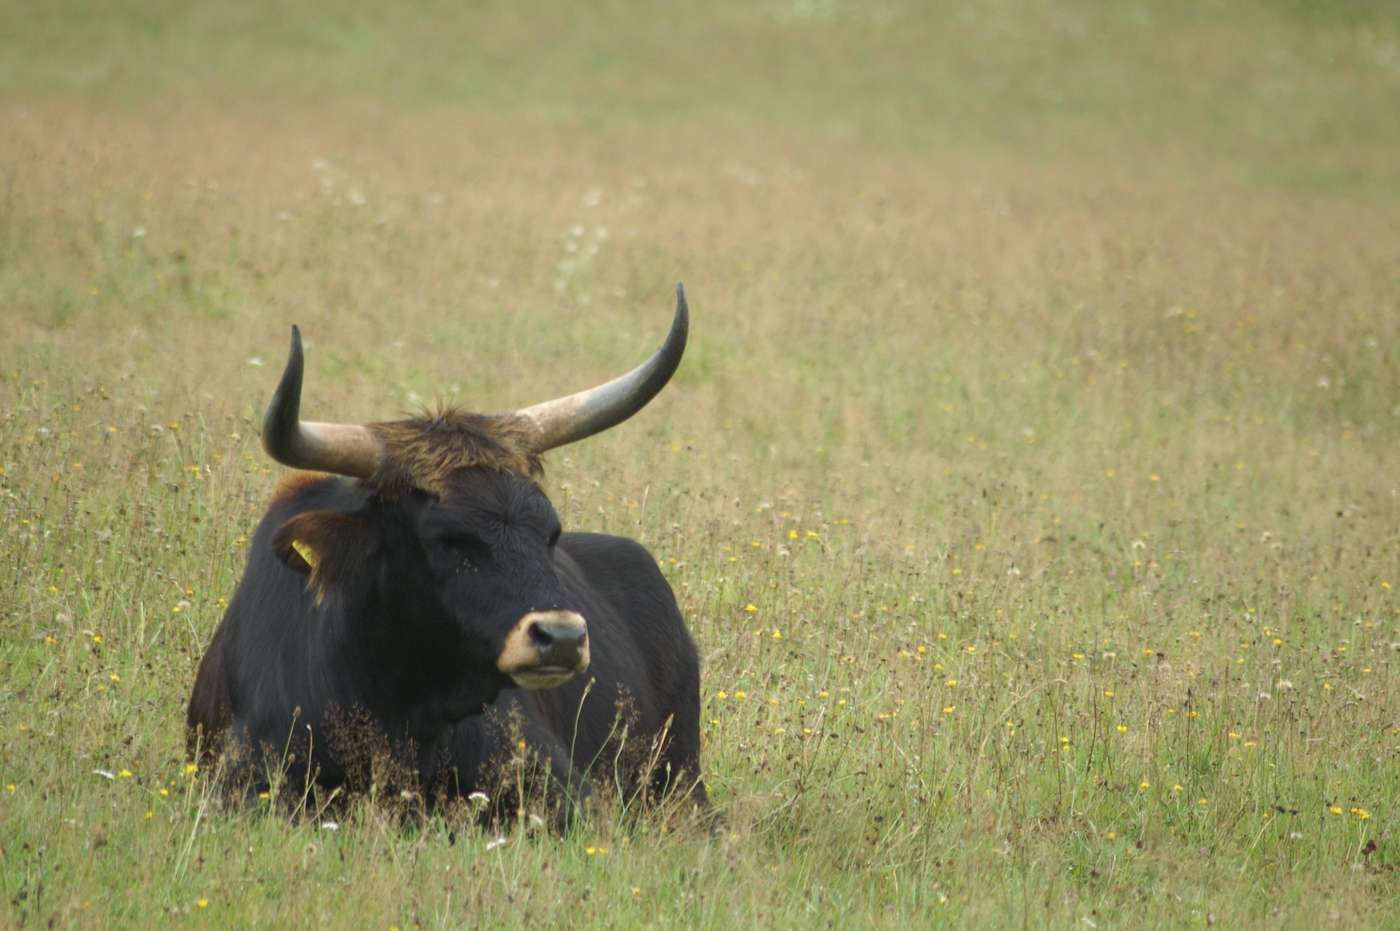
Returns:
point(423, 601)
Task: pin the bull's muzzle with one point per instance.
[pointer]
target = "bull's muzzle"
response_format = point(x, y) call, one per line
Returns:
point(545, 649)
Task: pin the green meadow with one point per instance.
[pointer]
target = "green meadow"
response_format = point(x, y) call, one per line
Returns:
point(1031, 484)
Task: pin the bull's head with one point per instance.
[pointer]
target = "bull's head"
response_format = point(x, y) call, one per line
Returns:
point(455, 539)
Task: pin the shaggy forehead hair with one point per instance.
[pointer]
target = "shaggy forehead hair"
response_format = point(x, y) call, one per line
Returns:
point(423, 452)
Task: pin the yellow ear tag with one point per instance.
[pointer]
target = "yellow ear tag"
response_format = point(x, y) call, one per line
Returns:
point(306, 553)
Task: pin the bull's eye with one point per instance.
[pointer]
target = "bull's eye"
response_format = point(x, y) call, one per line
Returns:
point(461, 552)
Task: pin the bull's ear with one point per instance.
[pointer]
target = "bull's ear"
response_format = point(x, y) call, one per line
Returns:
point(327, 546)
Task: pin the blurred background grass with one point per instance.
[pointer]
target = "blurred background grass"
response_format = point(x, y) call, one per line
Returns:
point(1286, 94)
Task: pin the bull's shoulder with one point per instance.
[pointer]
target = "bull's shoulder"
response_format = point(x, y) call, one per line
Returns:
point(603, 550)
point(622, 575)
point(211, 706)
point(617, 568)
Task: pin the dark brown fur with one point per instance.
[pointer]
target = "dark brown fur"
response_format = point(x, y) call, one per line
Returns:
point(293, 482)
point(423, 452)
point(341, 545)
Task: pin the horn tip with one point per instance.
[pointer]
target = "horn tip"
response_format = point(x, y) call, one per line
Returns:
point(682, 307)
point(294, 353)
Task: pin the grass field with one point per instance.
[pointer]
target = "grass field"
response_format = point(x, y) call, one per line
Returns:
point(1030, 483)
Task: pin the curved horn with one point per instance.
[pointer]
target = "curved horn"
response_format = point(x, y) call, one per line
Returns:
point(568, 419)
point(345, 449)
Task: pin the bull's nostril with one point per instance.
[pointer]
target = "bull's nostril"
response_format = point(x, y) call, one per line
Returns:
point(558, 641)
point(558, 634)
